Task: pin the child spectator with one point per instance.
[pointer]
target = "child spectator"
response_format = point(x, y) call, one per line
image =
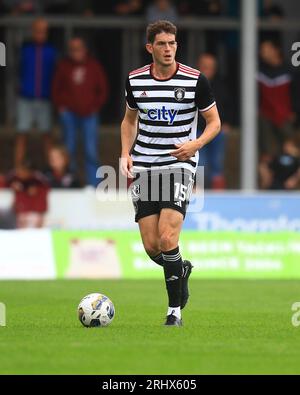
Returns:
point(283, 171)
point(30, 189)
point(59, 174)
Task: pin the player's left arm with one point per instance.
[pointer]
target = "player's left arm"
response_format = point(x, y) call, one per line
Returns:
point(187, 150)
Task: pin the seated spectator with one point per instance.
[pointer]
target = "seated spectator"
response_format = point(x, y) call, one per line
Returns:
point(161, 10)
point(212, 155)
point(211, 39)
point(57, 6)
point(206, 7)
point(37, 64)
point(93, 7)
point(80, 89)
point(129, 7)
point(30, 188)
point(275, 13)
point(19, 7)
point(276, 108)
point(59, 174)
point(283, 171)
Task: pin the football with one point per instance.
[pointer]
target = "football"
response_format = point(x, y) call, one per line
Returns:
point(96, 310)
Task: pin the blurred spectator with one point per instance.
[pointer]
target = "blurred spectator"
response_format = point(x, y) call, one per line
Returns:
point(283, 171)
point(83, 8)
point(80, 89)
point(37, 65)
point(56, 6)
point(129, 7)
point(271, 10)
point(59, 174)
point(274, 13)
point(212, 155)
point(232, 55)
point(206, 7)
point(276, 112)
point(19, 7)
point(93, 7)
point(161, 10)
point(30, 188)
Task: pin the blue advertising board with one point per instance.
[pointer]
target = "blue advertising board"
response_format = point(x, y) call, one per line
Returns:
point(257, 212)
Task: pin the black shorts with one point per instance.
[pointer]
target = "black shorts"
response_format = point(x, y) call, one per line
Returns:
point(153, 190)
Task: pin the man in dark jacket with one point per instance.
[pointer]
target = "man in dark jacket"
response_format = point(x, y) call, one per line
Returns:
point(283, 170)
point(80, 89)
point(37, 65)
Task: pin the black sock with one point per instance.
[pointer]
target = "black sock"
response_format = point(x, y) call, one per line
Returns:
point(173, 275)
point(158, 259)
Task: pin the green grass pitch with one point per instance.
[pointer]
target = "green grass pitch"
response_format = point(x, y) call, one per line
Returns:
point(230, 327)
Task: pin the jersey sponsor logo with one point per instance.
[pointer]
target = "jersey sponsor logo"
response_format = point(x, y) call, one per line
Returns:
point(179, 93)
point(143, 94)
point(162, 114)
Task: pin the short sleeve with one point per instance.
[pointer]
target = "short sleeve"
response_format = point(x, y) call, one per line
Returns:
point(204, 97)
point(130, 100)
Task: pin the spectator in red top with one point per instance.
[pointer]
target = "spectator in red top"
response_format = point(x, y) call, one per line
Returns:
point(31, 190)
point(80, 89)
point(276, 113)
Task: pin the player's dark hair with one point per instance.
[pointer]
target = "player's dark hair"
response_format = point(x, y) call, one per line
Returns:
point(160, 27)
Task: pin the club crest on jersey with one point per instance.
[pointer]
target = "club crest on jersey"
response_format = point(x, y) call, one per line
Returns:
point(135, 192)
point(179, 93)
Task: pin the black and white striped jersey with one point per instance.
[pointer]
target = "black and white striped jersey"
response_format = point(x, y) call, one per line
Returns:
point(168, 114)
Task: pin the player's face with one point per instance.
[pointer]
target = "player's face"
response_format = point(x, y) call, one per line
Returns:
point(163, 49)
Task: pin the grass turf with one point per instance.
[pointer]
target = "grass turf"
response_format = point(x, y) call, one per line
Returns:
point(230, 327)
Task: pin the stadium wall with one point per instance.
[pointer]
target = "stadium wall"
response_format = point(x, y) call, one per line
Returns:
point(234, 236)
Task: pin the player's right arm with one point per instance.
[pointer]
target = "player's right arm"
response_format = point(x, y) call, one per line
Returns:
point(128, 135)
